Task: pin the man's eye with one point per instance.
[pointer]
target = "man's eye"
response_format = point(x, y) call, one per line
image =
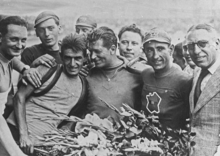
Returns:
point(134, 43)
point(202, 43)
point(159, 49)
point(13, 39)
point(149, 50)
point(23, 40)
point(124, 42)
point(84, 30)
point(50, 28)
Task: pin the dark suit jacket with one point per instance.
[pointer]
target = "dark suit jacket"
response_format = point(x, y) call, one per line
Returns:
point(205, 116)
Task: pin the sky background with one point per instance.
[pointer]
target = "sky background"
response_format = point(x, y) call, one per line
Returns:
point(113, 8)
point(175, 16)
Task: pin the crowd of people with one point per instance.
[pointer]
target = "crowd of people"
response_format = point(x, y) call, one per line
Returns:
point(93, 67)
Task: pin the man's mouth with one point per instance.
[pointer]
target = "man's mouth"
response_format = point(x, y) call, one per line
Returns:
point(48, 40)
point(200, 58)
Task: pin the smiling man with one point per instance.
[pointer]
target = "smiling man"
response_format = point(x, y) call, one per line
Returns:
point(130, 47)
point(166, 87)
point(36, 110)
point(13, 36)
point(47, 27)
point(110, 82)
point(203, 46)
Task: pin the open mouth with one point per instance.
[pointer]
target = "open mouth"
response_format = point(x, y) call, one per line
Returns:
point(200, 58)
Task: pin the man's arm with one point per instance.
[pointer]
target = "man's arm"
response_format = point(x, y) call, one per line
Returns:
point(31, 75)
point(7, 140)
point(20, 112)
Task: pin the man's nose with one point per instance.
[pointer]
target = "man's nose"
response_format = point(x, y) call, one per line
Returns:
point(81, 32)
point(93, 56)
point(129, 47)
point(20, 45)
point(197, 50)
point(156, 55)
point(73, 62)
point(46, 32)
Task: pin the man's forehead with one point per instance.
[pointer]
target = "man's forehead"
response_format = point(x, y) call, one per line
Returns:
point(72, 52)
point(130, 35)
point(155, 44)
point(47, 23)
point(17, 30)
point(199, 34)
point(83, 27)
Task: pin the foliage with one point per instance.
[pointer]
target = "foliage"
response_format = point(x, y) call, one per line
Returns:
point(135, 134)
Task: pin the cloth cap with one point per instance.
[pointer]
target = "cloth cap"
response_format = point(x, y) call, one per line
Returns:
point(45, 16)
point(156, 34)
point(87, 21)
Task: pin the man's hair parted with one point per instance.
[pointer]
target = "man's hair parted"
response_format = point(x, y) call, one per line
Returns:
point(75, 42)
point(15, 20)
point(106, 34)
point(131, 28)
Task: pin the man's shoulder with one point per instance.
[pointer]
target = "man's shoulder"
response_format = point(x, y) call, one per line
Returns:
point(181, 75)
point(33, 48)
point(137, 65)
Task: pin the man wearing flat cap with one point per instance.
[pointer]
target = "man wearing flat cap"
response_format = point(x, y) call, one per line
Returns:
point(85, 25)
point(47, 27)
point(166, 87)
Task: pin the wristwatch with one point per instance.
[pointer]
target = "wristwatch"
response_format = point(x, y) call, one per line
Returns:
point(25, 68)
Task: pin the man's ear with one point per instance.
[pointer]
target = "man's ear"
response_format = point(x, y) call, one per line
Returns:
point(60, 29)
point(171, 49)
point(36, 33)
point(113, 50)
point(0, 37)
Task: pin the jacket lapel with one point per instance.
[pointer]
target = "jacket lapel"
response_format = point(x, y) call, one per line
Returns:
point(211, 89)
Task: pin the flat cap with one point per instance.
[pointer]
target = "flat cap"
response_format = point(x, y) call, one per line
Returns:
point(158, 35)
point(87, 21)
point(45, 15)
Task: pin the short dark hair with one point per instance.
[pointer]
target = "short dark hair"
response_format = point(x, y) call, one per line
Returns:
point(179, 50)
point(131, 28)
point(16, 20)
point(75, 42)
point(106, 34)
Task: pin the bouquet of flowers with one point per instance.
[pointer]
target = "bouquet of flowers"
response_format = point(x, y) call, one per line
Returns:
point(135, 134)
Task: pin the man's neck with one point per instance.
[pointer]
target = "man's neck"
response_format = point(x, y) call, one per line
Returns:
point(164, 72)
point(6, 57)
point(53, 48)
point(114, 64)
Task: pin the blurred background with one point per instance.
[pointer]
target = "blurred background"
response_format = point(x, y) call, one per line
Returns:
point(175, 16)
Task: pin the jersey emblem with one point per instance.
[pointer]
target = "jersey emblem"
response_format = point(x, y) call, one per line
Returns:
point(153, 102)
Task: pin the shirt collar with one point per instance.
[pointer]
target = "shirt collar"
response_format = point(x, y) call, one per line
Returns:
point(214, 67)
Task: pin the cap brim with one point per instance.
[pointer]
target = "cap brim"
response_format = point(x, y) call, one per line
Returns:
point(157, 39)
point(42, 20)
point(84, 24)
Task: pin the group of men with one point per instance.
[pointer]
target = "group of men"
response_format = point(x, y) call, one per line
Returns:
point(143, 76)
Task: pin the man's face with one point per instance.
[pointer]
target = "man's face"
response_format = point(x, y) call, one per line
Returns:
point(203, 54)
point(14, 42)
point(73, 61)
point(48, 32)
point(159, 55)
point(178, 60)
point(130, 45)
point(83, 30)
point(100, 54)
point(188, 58)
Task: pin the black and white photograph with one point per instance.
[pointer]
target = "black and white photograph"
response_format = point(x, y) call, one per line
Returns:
point(110, 78)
